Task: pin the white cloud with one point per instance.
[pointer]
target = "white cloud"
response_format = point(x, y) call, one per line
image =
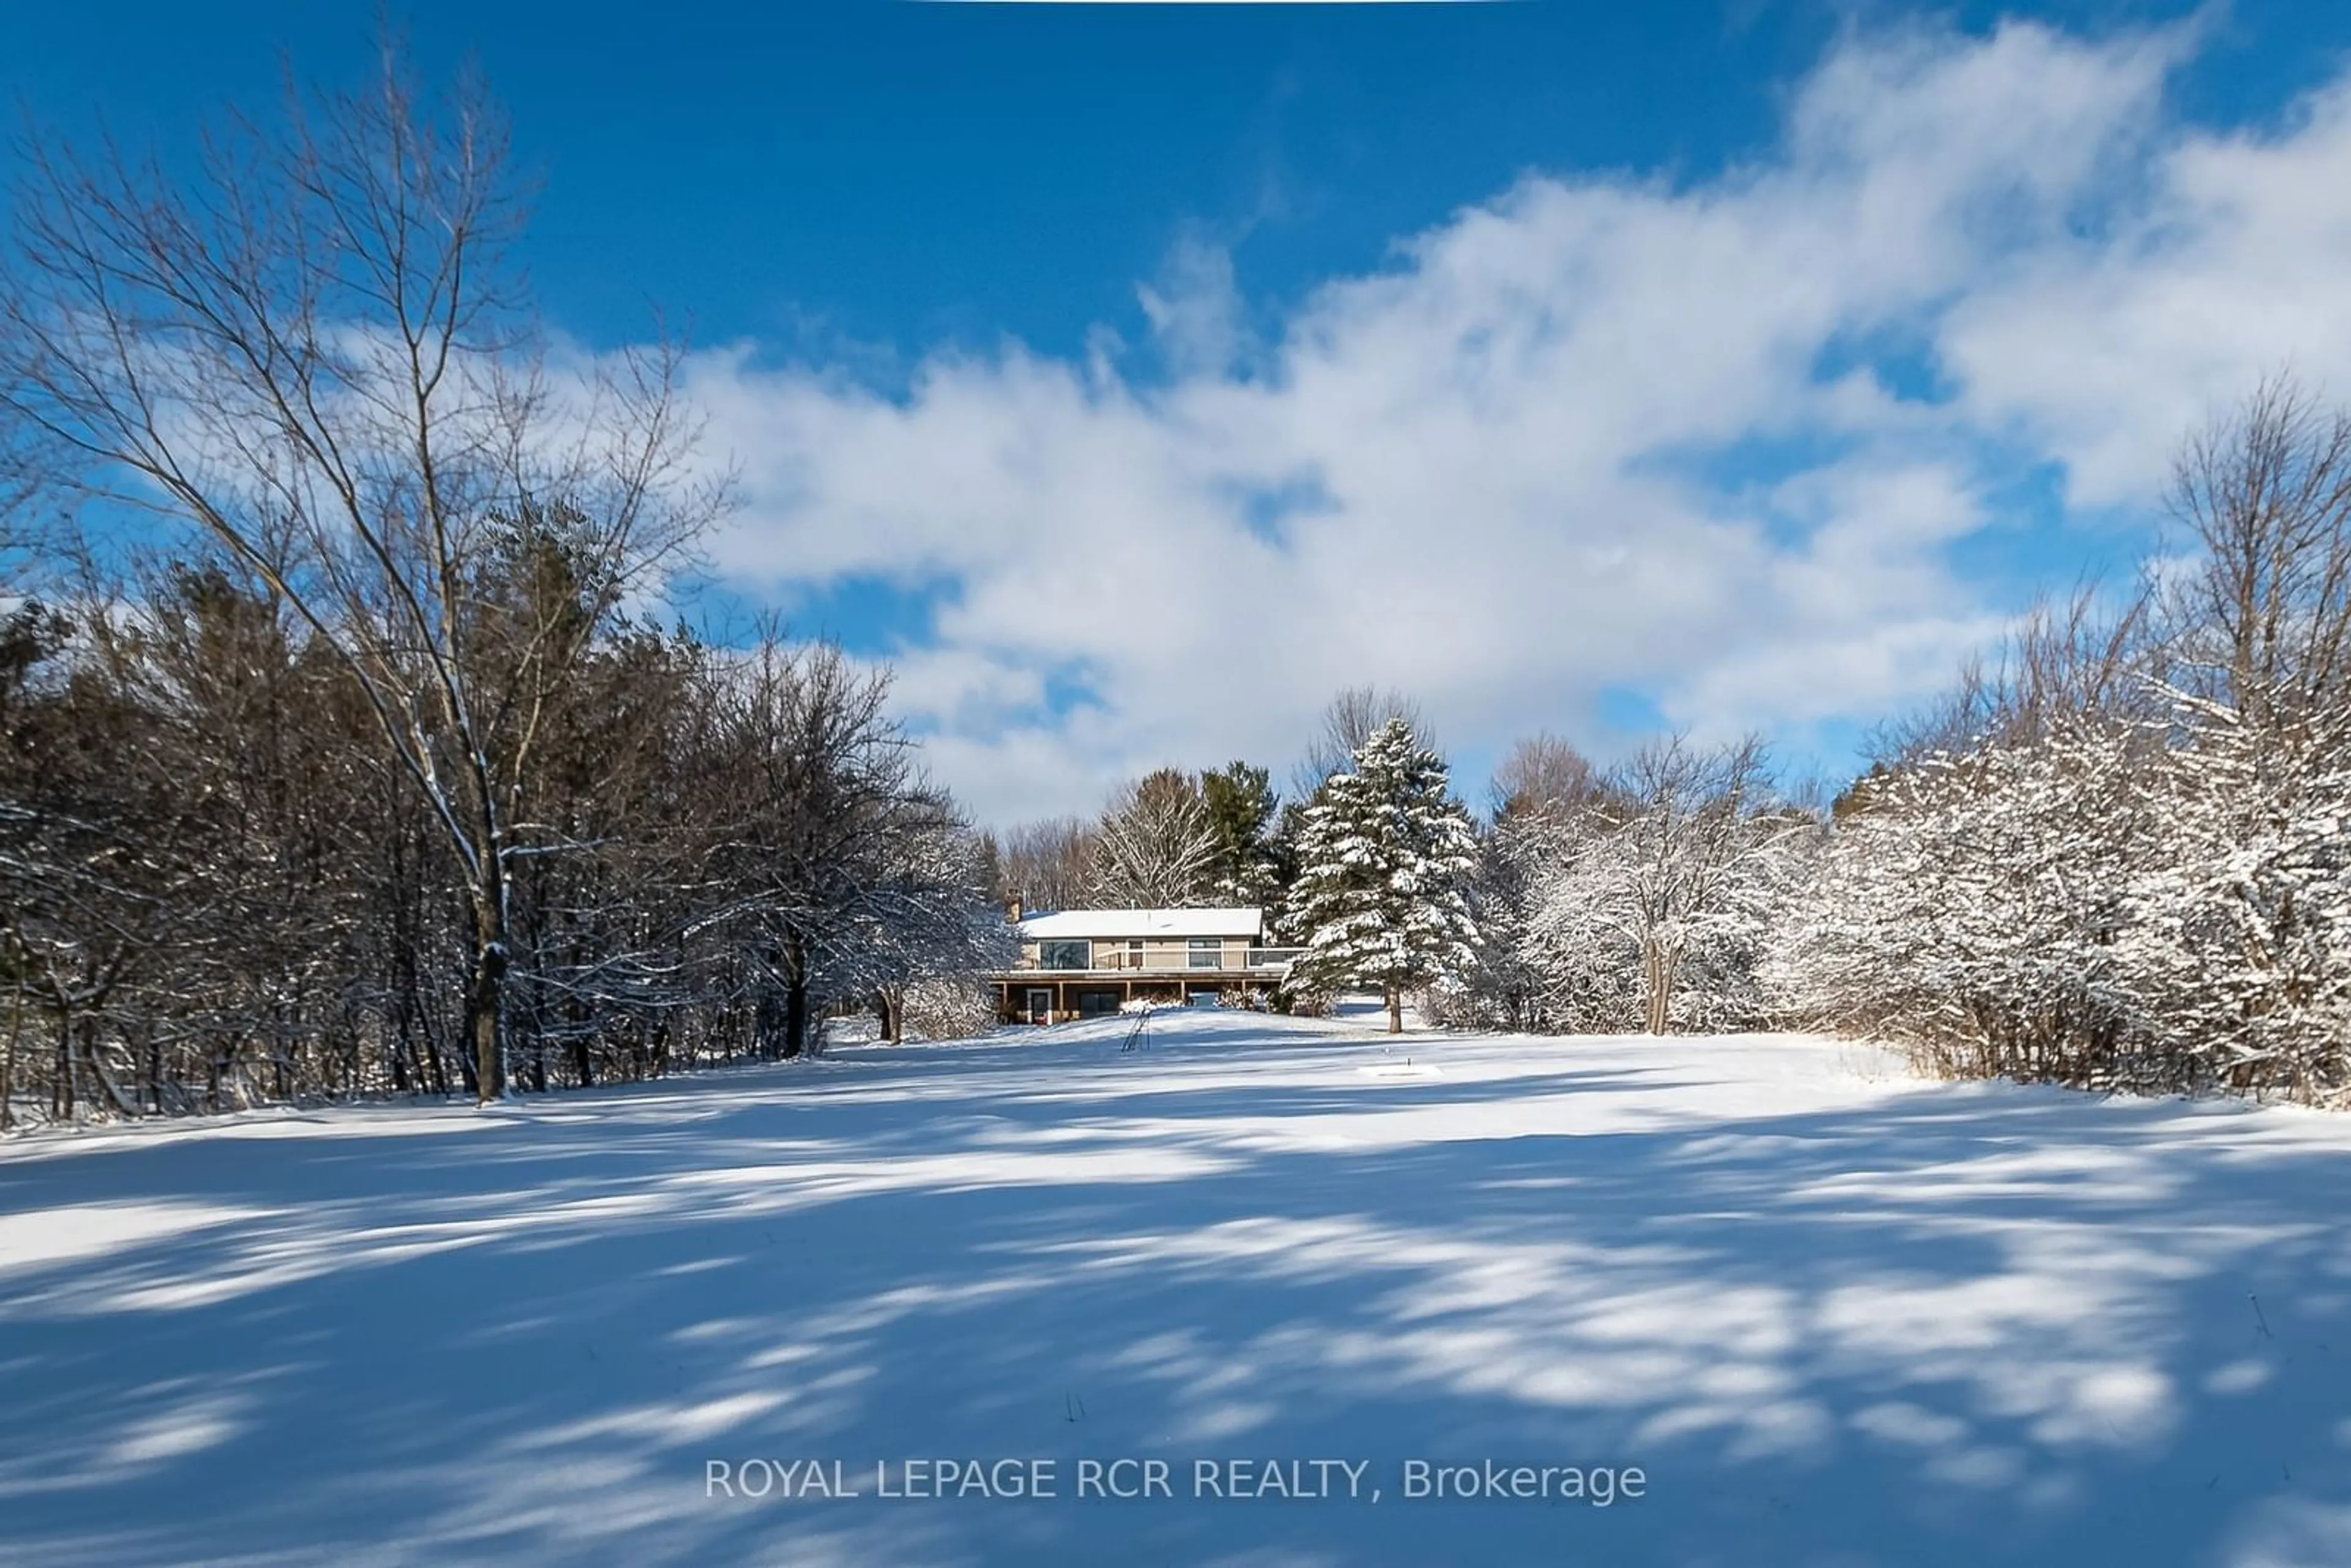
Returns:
point(1579, 436)
point(2103, 349)
point(1196, 310)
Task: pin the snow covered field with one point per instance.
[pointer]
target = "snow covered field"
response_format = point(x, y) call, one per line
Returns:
point(1833, 1315)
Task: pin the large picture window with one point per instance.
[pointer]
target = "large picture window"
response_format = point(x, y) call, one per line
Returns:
point(1207, 952)
point(1065, 952)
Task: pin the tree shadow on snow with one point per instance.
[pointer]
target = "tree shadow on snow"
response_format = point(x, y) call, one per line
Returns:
point(1888, 1323)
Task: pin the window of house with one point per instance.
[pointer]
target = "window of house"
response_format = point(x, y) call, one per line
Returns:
point(1064, 953)
point(1207, 952)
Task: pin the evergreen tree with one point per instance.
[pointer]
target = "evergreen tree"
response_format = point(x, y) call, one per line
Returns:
point(1242, 808)
point(1386, 857)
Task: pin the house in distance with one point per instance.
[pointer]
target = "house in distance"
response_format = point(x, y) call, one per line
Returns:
point(1083, 962)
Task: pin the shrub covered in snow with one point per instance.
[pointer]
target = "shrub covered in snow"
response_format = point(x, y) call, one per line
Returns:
point(2148, 906)
point(948, 1007)
point(2129, 863)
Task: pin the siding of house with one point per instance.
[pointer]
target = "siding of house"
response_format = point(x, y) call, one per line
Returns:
point(1113, 976)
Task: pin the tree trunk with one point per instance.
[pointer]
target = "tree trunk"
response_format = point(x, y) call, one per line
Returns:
point(766, 1041)
point(61, 1093)
point(796, 996)
point(124, 1104)
point(436, 1059)
point(1657, 966)
point(8, 1054)
point(796, 1007)
point(1396, 1009)
point(482, 1004)
point(888, 1000)
point(402, 1045)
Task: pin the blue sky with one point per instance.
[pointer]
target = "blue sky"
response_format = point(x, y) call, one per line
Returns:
point(1137, 374)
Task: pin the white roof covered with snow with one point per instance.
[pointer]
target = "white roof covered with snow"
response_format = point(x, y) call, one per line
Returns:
point(1125, 924)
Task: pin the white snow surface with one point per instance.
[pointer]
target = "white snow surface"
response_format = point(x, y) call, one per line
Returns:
point(1120, 924)
point(1835, 1314)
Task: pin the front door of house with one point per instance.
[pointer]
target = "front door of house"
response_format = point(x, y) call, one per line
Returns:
point(1040, 1005)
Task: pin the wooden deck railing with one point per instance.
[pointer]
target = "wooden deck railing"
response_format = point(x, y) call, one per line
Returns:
point(1168, 957)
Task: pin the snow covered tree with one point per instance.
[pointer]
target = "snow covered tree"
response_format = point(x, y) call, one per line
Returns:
point(1350, 719)
point(315, 355)
point(361, 779)
point(2119, 859)
point(1541, 787)
point(1652, 901)
point(1386, 858)
point(1156, 847)
point(2236, 957)
point(929, 924)
point(828, 793)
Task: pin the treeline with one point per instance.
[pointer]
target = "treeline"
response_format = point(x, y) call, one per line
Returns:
point(219, 890)
point(1168, 840)
point(2124, 858)
point(370, 773)
point(2117, 856)
point(363, 774)
point(1173, 838)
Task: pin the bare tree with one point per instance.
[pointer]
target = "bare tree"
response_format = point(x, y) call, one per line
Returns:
point(827, 794)
point(19, 483)
point(1157, 847)
point(316, 356)
point(2261, 617)
point(215, 891)
point(2087, 652)
point(1543, 789)
point(1351, 719)
point(1543, 775)
point(1048, 864)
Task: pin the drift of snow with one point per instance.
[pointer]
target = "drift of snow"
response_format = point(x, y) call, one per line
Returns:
point(1834, 1314)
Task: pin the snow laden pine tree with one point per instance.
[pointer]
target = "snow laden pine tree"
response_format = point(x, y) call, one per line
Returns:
point(1384, 858)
